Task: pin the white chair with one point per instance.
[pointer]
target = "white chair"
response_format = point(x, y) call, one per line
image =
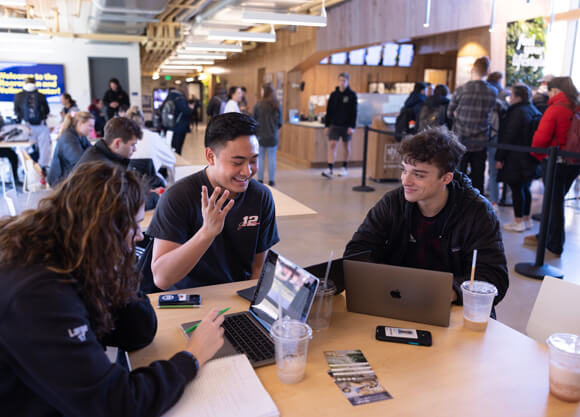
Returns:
point(556, 310)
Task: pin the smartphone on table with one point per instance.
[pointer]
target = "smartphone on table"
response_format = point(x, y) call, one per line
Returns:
point(179, 301)
point(407, 336)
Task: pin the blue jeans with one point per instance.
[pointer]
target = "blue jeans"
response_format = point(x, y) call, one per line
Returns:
point(271, 152)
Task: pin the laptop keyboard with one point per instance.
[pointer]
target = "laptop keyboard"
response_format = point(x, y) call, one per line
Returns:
point(245, 338)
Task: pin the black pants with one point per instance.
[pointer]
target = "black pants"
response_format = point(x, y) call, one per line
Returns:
point(522, 198)
point(177, 141)
point(13, 159)
point(565, 176)
point(477, 162)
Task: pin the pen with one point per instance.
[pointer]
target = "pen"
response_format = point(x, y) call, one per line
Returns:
point(192, 328)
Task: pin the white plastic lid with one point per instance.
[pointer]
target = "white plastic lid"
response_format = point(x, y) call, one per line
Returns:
point(565, 342)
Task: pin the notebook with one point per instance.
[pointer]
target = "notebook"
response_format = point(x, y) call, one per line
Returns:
point(397, 292)
point(283, 286)
point(225, 387)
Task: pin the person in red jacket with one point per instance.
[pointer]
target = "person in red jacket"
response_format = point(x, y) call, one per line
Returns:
point(552, 131)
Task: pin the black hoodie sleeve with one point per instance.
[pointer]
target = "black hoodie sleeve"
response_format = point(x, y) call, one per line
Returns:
point(47, 345)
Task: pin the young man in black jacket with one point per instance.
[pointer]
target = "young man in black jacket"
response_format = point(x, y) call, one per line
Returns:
point(340, 122)
point(436, 218)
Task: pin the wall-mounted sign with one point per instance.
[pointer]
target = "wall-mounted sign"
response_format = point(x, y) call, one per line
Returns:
point(525, 51)
point(49, 79)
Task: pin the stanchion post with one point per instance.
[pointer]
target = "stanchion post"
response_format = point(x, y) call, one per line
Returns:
point(363, 187)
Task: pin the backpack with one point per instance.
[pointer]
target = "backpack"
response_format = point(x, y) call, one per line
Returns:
point(532, 127)
point(403, 125)
point(31, 109)
point(573, 138)
point(168, 117)
point(431, 117)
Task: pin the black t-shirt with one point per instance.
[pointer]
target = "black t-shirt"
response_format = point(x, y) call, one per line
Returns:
point(424, 248)
point(249, 228)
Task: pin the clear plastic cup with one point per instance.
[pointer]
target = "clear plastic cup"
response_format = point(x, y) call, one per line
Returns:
point(477, 304)
point(291, 339)
point(321, 311)
point(565, 366)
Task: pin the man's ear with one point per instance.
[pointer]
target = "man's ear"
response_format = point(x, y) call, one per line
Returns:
point(210, 155)
point(116, 144)
point(447, 177)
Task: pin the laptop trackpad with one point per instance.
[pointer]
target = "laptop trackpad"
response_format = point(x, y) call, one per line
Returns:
point(226, 350)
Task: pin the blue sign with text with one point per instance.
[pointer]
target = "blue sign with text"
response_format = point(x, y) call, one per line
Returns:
point(49, 79)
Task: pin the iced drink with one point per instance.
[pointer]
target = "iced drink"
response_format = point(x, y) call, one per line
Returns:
point(477, 304)
point(321, 311)
point(291, 339)
point(565, 366)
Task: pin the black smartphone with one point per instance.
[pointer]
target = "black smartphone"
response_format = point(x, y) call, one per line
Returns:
point(408, 336)
point(179, 301)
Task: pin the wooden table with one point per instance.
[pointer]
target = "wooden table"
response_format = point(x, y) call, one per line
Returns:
point(4, 144)
point(499, 372)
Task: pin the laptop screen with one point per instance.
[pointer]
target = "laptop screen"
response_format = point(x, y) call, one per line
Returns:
point(283, 284)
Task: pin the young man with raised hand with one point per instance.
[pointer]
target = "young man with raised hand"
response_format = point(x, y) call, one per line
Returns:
point(436, 218)
point(216, 225)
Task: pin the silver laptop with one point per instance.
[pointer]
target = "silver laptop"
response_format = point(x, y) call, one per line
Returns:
point(398, 292)
point(283, 286)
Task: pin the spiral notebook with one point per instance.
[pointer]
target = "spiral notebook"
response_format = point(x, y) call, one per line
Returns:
point(225, 387)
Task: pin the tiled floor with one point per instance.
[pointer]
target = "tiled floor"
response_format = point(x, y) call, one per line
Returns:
point(309, 239)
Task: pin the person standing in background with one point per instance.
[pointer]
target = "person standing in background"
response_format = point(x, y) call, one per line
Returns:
point(96, 109)
point(68, 104)
point(540, 99)
point(217, 104)
point(195, 105)
point(182, 117)
point(114, 97)
point(340, 122)
point(470, 108)
point(244, 101)
point(30, 106)
point(235, 95)
point(268, 114)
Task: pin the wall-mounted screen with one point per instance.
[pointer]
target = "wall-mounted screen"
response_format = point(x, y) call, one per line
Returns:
point(325, 61)
point(357, 57)
point(373, 56)
point(49, 79)
point(159, 96)
point(390, 52)
point(338, 58)
point(406, 53)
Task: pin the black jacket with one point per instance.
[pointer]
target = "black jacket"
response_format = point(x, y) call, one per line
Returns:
point(20, 101)
point(182, 112)
point(341, 108)
point(69, 149)
point(269, 123)
point(101, 152)
point(515, 129)
point(53, 364)
point(120, 96)
point(415, 101)
point(471, 224)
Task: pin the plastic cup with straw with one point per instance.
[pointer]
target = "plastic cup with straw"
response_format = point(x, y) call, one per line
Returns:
point(473, 262)
point(321, 313)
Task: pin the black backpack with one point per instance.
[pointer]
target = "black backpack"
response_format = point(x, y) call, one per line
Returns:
point(533, 126)
point(168, 117)
point(431, 117)
point(402, 128)
point(31, 108)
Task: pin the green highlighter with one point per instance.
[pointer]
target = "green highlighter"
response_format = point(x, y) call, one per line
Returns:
point(192, 328)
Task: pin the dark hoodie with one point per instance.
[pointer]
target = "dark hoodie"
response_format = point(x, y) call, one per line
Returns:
point(470, 223)
point(341, 109)
point(415, 101)
point(433, 104)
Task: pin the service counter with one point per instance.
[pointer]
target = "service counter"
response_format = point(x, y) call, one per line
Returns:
point(305, 144)
point(383, 160)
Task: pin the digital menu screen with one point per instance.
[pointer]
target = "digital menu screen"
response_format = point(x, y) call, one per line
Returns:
point(406, 53)
point(373, 56)
point(390, 52)
point(339, 58)
point(357, 57)
point(325, 61)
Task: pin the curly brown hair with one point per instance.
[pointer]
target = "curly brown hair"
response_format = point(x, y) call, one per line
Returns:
point(81, 231)
point(437, 146)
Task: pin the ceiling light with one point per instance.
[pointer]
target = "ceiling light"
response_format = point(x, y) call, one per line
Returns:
point(188, 62)
point(20, 23)
point(427, 13)
point(13, 3)
point(284, 19)
point(234, 35)
point(184, 54)
point(181, 67)
point(492, 22)
point(189, 80)
point(212, 47)
point(155, 75)
point(23, 37)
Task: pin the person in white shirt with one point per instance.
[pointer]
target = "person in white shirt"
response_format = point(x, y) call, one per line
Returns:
point(152, 145)
point(234, 97)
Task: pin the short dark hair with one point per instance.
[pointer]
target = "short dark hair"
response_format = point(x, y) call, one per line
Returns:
point(116, 81)
point(522, 91)
point(481, 65)
point(344, 75)
point(228, 126)
point(437, 146)
point(123, 108)
point(494, 77)
point(419, 86)
point(232, 91)
point(30, 80)
point(121, 127)
point(441, 90)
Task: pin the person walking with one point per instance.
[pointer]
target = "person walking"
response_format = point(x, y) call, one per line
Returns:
point(114, 97)
point(269, 117)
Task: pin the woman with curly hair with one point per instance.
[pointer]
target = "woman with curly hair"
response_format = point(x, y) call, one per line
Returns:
point(69, 287)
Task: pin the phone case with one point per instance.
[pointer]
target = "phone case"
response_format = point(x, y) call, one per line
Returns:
point(423, 337)
point(179, 301)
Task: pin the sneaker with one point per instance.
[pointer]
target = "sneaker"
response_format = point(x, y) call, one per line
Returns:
point(531, 240)
point(271, 183)
point(515, 227)
point(327, 173)
point(529, 224)
point(343, 172)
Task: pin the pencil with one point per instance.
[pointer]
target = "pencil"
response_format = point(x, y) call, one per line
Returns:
point(192, 328)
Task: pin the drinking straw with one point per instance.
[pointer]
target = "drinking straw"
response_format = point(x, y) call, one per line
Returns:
point(473, 261)
point(327, 269)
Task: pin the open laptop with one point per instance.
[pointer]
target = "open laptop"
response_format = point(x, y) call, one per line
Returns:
point(283, 286)
point(336, 273)
point(398, 292)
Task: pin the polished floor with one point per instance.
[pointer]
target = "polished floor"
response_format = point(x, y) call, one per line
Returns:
point(309, 239)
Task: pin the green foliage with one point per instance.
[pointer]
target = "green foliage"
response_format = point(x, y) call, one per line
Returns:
point(528, 28)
